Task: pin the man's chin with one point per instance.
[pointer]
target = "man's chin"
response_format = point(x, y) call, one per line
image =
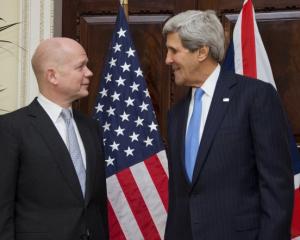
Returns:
point(83, 93)
point(179, 81)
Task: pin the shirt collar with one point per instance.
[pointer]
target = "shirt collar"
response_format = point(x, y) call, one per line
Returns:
point(210, 83)
point(52, 109)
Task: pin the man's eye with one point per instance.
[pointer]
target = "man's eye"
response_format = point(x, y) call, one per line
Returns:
point(172, 50)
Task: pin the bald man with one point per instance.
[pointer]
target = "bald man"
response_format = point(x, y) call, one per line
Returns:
point(52, 180)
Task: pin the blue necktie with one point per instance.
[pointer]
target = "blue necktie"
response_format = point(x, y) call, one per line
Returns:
point(192, 136)
point(74, 150)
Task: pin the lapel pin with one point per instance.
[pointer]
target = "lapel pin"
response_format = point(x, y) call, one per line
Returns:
point(225, 99)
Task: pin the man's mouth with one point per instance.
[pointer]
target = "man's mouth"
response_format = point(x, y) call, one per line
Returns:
point(175, 69)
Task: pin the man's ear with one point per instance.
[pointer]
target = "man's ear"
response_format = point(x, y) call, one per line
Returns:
point(51, 76)
point(203, 53)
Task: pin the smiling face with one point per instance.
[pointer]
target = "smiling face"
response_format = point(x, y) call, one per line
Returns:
point(184, 63)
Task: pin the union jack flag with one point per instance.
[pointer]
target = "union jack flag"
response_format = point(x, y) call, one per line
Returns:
point(136, 163)
point(247, 56)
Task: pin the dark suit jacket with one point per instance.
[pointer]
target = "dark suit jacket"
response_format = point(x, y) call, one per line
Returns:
point(242, 186)
point(40, 194)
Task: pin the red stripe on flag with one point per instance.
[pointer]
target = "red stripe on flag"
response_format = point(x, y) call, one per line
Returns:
point(248, 41)
point(115, 230)
point(137, 204)
point(296, 215)
point(159, 178)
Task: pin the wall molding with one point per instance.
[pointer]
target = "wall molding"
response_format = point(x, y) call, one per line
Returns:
point(37, 18)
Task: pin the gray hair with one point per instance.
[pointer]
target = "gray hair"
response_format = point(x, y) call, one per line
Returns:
point(197, 29)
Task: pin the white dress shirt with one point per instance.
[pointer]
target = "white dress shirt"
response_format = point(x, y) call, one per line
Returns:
point(54, 112)
point(209, 88)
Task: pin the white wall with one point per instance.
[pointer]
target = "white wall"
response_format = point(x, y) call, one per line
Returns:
point(9, 55)
point(40, 19)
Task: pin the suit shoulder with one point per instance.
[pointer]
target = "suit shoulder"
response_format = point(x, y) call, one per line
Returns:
point(15, 116)
point(252, 82)
point(84, 117)
point(14, 122)
point(87, 120)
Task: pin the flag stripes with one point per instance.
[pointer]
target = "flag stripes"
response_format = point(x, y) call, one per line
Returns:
point(150, 196)
point(121, 209)
point(115, 230)
point(242, 56)
point(159, 177)
point(164, 161)
point(139, 199)
point(295, 221)
point(136, 203)
point(248, 41)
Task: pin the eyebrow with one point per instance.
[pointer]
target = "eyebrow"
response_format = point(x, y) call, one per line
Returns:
point(171, 48)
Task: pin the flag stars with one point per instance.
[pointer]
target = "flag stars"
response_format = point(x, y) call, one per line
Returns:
point(139, 72)
point(99, 108)
point(125, 116)
point(117, 47)
point(139, 121)
point(120, 81)
point(111, 111)
point(135, 87)
point(126, 67)
point(108, 77)
point(103, 92)
point(120, 131)
point(112, 62)
point(144, 107)
point(130, 52)
point(129, 102)
point(116, 96)
point(124, 106)
point(129, 151)
point(134, 137)
point(146, 93)
point(106, 127)
point(148, 141)
point(109, 161)
point(121, 33)
point(114, 146)
point(153, 127)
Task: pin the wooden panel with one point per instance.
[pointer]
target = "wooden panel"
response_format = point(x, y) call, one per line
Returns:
point(69, 17)
point(280, 32)
point(88, 21)
point(95, 36)
point(185, 5)
point(135, 6)
point(236, 5)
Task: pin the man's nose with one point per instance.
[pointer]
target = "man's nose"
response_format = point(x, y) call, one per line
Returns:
point(169, 59)
point(88, 73)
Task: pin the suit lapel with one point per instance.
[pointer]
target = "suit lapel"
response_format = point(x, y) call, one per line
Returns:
point(215, 116)
point(89, 147)
point(42, 122)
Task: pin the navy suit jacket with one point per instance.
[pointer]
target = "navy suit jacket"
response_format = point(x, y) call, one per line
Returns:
point(242, 185)
point(40, 194)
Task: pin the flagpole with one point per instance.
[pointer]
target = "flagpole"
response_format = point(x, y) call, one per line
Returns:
point(124, 4)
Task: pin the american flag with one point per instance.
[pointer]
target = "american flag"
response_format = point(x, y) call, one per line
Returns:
point(136, 163)
point(248, 56)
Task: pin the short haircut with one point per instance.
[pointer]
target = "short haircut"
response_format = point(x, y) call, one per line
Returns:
point(197, 29)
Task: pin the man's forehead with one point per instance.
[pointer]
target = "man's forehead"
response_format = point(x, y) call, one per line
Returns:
point(173, 39)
